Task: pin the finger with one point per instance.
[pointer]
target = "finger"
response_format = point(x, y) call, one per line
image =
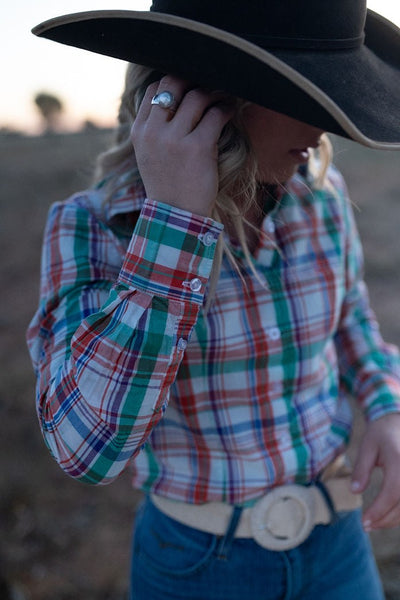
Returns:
point(390, 519)
point(209, 129)
point(177, 87)
point(386, 501)
point(145, 106)
point(194, 105)
point(365, 462)
point(150, 120)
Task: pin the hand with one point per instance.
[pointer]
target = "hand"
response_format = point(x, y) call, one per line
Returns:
point(177, 153)
point(380, 447)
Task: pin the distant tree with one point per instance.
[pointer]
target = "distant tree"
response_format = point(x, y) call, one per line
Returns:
point(89, 126)
point(50, 107)
point(10, 132)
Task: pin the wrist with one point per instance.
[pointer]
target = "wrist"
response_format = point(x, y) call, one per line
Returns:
point(189, 203)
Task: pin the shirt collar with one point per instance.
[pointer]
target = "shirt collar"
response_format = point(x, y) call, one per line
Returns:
point(129, 194)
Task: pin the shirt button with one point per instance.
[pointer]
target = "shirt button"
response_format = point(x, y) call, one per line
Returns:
point(270, 225)
point(182, 344)
point(208, 238)
point(274, 334)
point(195, 284)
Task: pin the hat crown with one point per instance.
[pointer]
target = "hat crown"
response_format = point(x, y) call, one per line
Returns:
point(289, 19)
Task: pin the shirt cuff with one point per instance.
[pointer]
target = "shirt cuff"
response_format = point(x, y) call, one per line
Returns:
point(171, 252)
point(387, 401)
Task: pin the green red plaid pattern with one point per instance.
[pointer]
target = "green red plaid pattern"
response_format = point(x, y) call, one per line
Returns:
point(203, 406)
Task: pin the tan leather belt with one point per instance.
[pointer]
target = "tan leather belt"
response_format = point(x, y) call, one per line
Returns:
point(280, 520)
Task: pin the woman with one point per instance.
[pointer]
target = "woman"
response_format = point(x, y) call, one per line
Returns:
point(203, 314)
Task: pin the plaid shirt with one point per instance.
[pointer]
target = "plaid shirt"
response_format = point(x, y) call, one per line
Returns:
point(216, 406)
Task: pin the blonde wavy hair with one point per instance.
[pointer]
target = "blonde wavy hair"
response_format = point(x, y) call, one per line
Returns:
point(236, 164)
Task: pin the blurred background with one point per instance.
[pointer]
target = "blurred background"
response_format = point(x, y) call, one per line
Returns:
point(59, 539)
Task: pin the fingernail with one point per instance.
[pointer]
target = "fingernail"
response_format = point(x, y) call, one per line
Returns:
point(355, 486)
point(367, 525)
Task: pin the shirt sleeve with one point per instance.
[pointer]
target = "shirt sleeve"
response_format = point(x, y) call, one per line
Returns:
point(107, 341)
point(369, 368)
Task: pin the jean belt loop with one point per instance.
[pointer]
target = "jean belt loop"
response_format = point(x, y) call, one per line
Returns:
point(328, 499)
point(227, 539)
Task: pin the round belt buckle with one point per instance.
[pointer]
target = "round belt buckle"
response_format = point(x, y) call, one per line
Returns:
point(283, 518)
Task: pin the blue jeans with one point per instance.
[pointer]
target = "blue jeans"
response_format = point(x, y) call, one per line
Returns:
point(171, 561)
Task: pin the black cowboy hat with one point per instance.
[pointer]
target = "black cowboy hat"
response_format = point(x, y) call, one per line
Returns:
point(333, 64)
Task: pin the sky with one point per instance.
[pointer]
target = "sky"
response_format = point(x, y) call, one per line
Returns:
point(89, 85)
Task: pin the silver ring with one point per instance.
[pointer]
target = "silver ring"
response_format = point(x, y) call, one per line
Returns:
point(164, 100)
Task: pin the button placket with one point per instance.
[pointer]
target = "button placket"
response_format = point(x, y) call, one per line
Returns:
point(182, 344)
point(268, 241)
point(269, 225)
point(274, 334)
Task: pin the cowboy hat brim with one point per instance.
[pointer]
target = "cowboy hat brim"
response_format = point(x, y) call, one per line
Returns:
point(351, 92)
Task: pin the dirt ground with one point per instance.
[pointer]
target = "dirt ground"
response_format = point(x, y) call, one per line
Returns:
point(62, 540)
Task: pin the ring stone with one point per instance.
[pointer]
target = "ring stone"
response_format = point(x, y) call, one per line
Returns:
point(164, 99)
